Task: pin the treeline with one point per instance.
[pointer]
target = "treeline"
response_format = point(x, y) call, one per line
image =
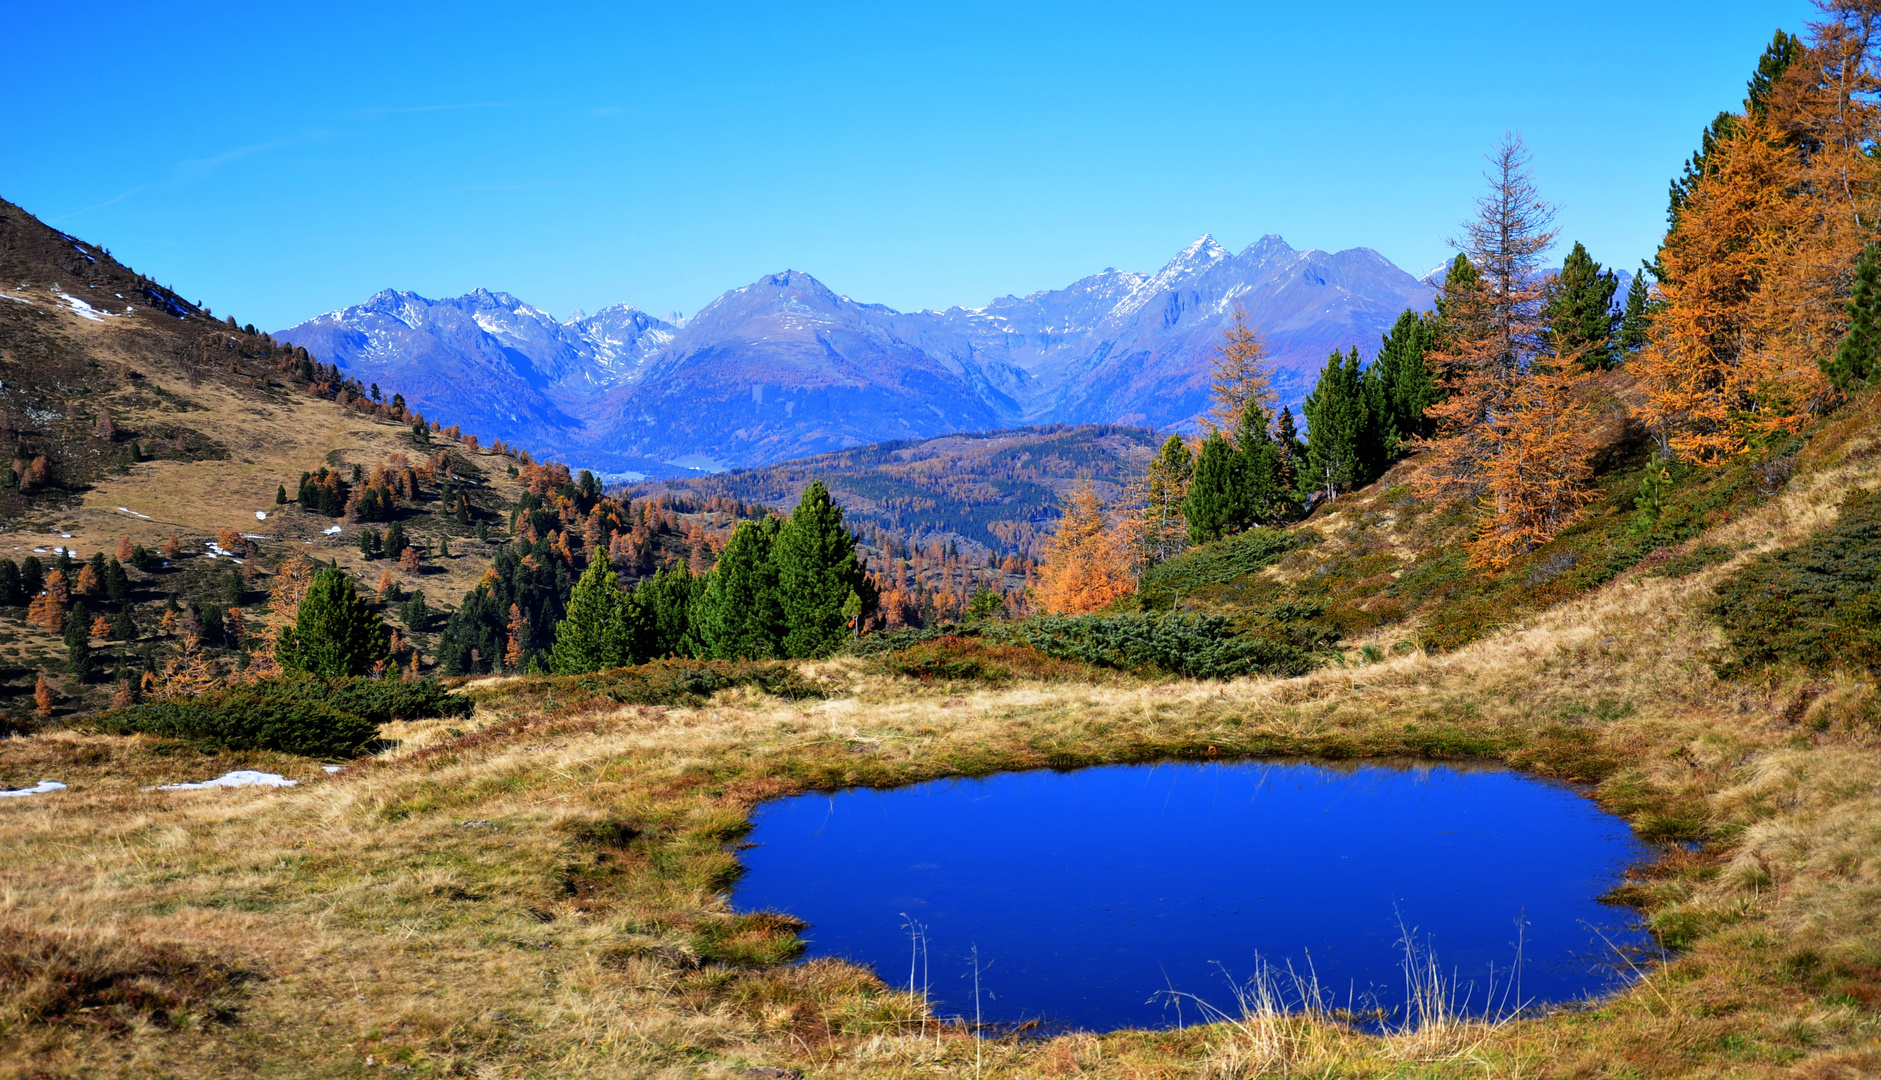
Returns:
point(781, 587)
point(1762, 313)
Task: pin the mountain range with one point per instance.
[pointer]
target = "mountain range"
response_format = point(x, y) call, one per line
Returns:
point(786, 367)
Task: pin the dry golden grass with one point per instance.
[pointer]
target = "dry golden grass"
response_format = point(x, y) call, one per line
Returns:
point(538, 891)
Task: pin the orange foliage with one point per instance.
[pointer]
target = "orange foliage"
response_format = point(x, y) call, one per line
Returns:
point(125, 548)
point(101, 628)
point(1751, 301)
point(1088, 559)
point(47, 610)
point(88, 583)
point(42, 696)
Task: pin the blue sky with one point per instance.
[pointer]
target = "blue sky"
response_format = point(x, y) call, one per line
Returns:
point(276, 161)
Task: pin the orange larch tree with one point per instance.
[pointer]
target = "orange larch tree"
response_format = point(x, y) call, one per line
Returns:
point(1513, 431)
point(1089, 558)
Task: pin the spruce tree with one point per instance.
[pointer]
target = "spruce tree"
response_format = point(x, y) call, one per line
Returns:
point(1579, 320)
point(1292, 456)
point(1855, 359)
point(1339, 427)
point(11, 594)
point(736, 613)
point(1165, 530)
point(1220, 500)
point(817, 569)
point(1636, 320)
point(596, 633)
point(665, 605)
point(1406, 384)
point(334, 633)
point(1268, 497)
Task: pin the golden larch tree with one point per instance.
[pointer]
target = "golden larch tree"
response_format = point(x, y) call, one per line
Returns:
point(1240, 374)
point(47, 611)
point(1088, 560)
point(1514, 431)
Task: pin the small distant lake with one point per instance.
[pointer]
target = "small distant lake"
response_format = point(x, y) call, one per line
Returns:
point(1090, 894)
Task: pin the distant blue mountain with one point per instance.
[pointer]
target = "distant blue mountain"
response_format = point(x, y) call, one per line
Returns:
point(785, 367)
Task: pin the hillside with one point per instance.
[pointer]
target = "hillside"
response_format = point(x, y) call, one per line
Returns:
point(786, 367)
point(994, 492)
point(133, 416)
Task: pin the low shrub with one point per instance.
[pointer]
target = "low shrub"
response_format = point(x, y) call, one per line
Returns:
point(978, 660)
point(679, 682)
point(294, 714)
point(1218, 563)
point(244, 720)
point(1817, 604)
point(1193, 646)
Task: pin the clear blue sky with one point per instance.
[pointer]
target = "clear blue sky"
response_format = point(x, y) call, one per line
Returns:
point(277, 161)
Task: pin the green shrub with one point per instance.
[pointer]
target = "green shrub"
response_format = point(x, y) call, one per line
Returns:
point(1215, 564)
point(243, 720)
point(294, 714)
point(1817, 603)
point(906, 637)
point(1194, 646)
point(677, 682)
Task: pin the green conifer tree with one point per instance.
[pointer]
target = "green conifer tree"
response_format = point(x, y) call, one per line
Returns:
point(736, 613)
point(597, 631)
point(1636, 320)
point(334, 633)
point(1292, 457)
point(1339, 427)
point(817, 569)
point(665, 602)
point(1406, 383)
point(1165, 530)
point(1578, 318)
point(1856, 359)
point(1261, 464)
point(1220, 500)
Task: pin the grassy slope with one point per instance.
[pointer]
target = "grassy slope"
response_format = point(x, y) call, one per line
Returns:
point(537, 891)
point(243, 429)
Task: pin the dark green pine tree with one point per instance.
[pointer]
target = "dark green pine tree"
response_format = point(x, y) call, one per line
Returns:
point(1339, 428)
point(736, 613)
point(280, 494)
point(1406, 383)
point(11, 592)
point(1268, 496)
point(817, 570)
point(1636, 320)
point(79, 658)
point(334, 633)
point(1459, 281)
point(1578, 318)
point(1292, 458)
point(665, 604)
point(1858, 357)
point(597, 632)
point(1220, 497)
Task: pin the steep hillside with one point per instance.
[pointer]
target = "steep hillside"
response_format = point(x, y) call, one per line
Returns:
point(786, 367)
point(133, 416)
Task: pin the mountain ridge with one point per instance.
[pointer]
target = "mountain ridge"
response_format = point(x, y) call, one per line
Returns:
point(786, 366)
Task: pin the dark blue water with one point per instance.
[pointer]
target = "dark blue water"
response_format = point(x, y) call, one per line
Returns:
point(1091, 894)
